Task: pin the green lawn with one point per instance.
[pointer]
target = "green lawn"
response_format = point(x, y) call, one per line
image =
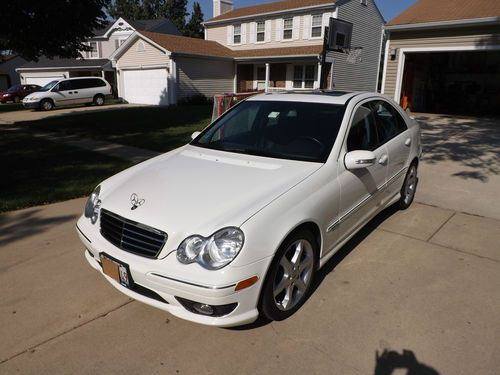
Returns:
point(36, 171)
point(155, 128)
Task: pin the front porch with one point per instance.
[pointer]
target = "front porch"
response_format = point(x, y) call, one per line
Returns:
point(258, 75)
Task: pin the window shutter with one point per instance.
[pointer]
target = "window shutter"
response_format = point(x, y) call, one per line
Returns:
point(230, 35)
point(307, 27)
point(296, 28)
point(243, 33)
point(279, 29)
point(117, 44)
point(326, 19)
point(99, 49)
point(268, 30)
point(253, 27)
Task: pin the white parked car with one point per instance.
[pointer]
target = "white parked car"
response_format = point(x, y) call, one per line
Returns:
point(237, 223)
point(66, 92)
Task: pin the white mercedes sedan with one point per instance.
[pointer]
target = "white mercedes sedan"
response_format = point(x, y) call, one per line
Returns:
point(236, 223)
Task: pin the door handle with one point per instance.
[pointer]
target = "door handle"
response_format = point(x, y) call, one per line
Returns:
point(75, 92)
point(383, 159)
point(408, 142)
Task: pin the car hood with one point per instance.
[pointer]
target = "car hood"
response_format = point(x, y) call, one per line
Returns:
point(198, 191)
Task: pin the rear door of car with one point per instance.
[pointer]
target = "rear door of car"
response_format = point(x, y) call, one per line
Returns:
point(394, 133)
point(83, 90)
point(361, 189)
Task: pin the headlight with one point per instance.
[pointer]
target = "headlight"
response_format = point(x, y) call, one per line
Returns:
point(4, 95)
point(33, 98)
point(214, 252)
point(93, 205)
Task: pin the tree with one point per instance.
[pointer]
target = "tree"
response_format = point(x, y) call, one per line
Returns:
point(32, 28)
point(136, 9)
point(175, 11)
point(130, 9)
point(194, 28)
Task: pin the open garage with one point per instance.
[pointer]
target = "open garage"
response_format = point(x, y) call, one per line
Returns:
point(444, 57)
point(456, 82)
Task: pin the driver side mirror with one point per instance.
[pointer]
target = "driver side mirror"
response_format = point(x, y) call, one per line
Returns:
point(359, 159)
point(195, 134)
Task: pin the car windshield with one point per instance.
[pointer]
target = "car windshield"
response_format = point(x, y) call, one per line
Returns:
point(13, 88)
point(278, 129)
point(48, 86)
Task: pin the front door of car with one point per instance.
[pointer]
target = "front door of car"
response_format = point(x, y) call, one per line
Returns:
point(62, 93)
point(361, 189)
point(394, 133)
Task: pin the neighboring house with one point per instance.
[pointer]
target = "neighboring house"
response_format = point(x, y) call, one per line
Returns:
point(444, 57)
point(8, 66)
point(162, 69)
point(95, 62)
point(281, 41)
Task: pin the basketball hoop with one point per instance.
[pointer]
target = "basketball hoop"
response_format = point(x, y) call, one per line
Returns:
point(353, 54)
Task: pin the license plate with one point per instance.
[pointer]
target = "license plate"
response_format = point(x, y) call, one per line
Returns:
point(116, 270)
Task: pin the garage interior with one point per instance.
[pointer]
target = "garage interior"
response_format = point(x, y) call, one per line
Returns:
point(452, 82)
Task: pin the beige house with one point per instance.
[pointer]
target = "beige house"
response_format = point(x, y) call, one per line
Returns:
point(95, 62)
point(444, 57)
point(277, 44)
point(263, 47)
point(161, 69)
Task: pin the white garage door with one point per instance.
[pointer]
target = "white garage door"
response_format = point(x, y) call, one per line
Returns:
point(41, 81)
point(145, 86)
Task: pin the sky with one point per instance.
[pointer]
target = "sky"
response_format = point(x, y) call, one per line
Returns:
point(389, 8)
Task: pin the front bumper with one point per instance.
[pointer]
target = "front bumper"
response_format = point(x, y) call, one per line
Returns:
point(169, 279)
point(31, 105)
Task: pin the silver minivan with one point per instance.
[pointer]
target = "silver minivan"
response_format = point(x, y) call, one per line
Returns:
point(70, 91)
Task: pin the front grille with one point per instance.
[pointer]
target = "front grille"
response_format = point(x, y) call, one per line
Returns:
point(130, 236)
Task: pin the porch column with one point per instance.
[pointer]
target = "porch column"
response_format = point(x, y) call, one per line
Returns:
point(102, 74)
point(320, 67)
point(267, 77)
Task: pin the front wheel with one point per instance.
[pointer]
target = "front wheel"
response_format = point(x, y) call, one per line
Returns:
point(289, 279)
point(46, 104)
point(409, 188)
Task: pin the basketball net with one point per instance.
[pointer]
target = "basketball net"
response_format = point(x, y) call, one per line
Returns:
point(353, 54)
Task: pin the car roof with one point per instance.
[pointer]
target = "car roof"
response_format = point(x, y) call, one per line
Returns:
point(318, 96)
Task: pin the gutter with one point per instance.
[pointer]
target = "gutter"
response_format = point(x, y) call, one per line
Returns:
point(276, 12)
point(274, 57)
point(445, 24)
point(63, 67)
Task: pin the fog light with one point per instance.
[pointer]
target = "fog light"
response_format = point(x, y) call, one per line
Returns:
point(203, 309)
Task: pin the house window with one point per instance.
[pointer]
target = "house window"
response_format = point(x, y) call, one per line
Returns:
point(261, 31)
point(287, 28)
point(304, 76)
point(317, 21)
point(237, 34)
point(93, 53)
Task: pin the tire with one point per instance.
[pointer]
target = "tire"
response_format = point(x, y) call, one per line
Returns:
point(16, 99)
point(290, 277)
point(46, 105)
point(98, 100)
point(409, 188)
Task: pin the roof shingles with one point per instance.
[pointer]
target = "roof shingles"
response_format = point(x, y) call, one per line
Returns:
point(192, 46)
point(270, 7)
point(424, 11)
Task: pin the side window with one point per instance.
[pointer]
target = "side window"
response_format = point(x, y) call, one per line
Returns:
point(362, 135)
point(388, 125)
point(64, 86)
point(78, 84)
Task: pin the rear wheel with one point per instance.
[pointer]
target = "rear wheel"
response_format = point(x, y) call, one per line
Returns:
point(409, 188)
point(98, 100)
point(289, 279)
point(46, 104)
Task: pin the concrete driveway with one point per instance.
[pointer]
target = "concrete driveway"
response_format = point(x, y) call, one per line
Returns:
point(32, 115)
point(423, 281)
point(460, 167)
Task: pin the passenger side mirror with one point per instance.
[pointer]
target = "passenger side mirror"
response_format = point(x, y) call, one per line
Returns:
point(359, 159)
point(195, 134)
